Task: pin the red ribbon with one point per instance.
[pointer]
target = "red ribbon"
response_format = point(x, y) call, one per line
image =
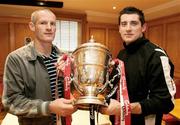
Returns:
point(67, 82)
point(122, 96)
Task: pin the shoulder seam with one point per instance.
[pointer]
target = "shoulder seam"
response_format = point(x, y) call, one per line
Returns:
point(160, 50)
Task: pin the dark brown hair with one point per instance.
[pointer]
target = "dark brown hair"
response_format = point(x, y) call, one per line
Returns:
point(132, 10)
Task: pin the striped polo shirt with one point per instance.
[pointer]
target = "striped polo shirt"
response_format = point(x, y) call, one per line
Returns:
point(50, 65)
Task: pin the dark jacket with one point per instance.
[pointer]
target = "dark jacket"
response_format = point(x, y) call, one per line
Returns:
point(149, 75)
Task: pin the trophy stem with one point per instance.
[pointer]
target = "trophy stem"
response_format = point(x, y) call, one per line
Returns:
point(84, 102)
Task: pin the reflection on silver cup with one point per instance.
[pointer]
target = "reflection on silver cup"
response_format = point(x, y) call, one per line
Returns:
point(91, 63)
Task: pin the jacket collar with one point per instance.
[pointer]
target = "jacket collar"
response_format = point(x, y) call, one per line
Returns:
point(32, 53)
point(135, 45)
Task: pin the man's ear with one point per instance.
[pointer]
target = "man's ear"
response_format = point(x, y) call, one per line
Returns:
point(144, 27)
point(31, 26)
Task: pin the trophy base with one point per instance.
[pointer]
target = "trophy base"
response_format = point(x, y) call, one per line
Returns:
point(85, 102)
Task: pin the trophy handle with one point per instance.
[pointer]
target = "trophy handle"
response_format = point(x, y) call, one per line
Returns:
point(112, 64)
point(103, 88)
point(113, 87)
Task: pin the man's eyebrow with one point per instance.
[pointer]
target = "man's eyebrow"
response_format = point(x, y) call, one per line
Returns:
point(133, 21)
point(123, 21)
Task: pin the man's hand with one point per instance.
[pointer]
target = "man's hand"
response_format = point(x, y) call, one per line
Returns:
point(62, 107)
point(136, 108)
point(114, 108)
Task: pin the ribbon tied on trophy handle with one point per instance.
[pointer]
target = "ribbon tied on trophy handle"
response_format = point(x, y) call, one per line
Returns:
point(113, 85)
point(71, 66)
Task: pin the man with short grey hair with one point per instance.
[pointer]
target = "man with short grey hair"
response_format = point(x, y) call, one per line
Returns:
point(30, 79)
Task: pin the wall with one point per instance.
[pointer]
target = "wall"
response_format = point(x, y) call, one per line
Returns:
point(165, 33)
point(106, 34)
point(12, 34)
point(14, 30)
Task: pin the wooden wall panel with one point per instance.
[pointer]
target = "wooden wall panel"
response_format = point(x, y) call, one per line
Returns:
point(14, 30)
point(12, 34)
point(106, 34)
point(5, 46)
point(114, 42)
point(21, 31)
point(173, 44)
point(155, 34)
point(165, 32)
point(99, 34)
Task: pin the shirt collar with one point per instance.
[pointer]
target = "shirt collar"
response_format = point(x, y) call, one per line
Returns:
point(135, 45)
point(32, 54)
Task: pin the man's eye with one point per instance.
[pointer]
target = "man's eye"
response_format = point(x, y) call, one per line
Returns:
point(123, 24)
point(43, 22)
point(53, 24)
point(134, 23)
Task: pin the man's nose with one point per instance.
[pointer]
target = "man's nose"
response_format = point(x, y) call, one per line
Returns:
point(128, 27)
point(49, 26)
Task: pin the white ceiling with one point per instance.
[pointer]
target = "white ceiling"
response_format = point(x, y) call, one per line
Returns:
point(103, 8)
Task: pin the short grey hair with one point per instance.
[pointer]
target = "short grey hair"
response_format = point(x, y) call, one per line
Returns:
point(34, 14)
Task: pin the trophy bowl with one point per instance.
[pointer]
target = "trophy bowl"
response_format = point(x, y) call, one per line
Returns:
point(90, 74)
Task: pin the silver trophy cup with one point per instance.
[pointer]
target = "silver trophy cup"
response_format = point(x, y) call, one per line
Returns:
point(90, 75)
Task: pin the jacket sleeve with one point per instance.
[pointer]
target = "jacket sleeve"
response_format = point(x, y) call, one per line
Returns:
point(161, 85)
point(14, 99)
